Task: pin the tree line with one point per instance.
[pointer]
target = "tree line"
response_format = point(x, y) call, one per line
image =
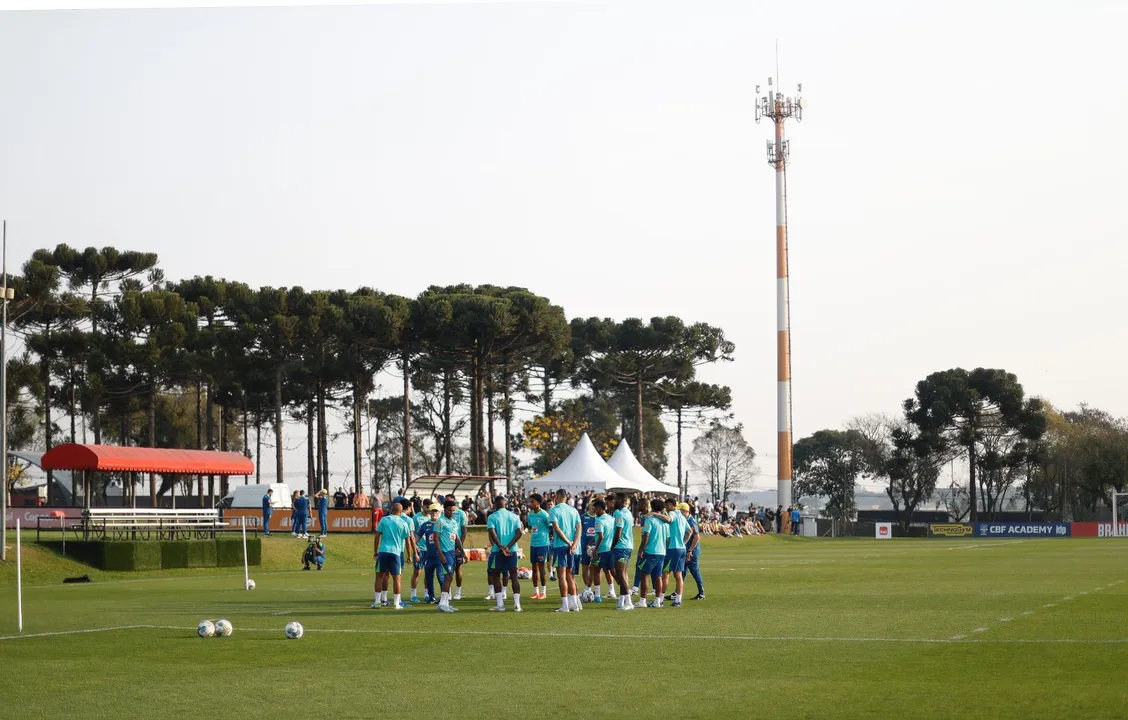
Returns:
point(1018, 452)
point(114, 353)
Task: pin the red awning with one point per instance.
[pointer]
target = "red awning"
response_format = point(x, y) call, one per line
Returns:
point(137, 459)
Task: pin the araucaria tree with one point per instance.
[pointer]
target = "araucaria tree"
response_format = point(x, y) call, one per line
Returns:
point(983, 414)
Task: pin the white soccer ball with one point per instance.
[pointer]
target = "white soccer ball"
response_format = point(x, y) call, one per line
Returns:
point(223, 628)
point(205, 629)
point(294, 630)
point(250, 584)
point(524, 574)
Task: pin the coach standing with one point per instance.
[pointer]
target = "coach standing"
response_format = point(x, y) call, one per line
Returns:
point(267, 509)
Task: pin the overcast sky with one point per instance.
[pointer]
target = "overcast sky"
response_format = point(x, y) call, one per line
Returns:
point(956, 192)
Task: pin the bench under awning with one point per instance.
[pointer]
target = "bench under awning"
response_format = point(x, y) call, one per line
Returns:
point(112, 458)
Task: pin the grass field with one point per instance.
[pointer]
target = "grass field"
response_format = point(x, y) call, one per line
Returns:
point(792, 627)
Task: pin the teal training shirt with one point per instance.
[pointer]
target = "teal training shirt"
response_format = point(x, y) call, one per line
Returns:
point(447, 528)
point(625, 522)
point(658, 535)
point(540, 525)
point(605, 530)
point(505, 525)
point(678, 526)
point(420, 520)
point(568, 520)
point(393, 534)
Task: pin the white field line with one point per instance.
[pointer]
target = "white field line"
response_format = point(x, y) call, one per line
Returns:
point(70, 632)
point(613, 636)
point(988, 545)
point(632, 636)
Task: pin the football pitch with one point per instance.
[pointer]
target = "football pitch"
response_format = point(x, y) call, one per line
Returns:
point(792, 627)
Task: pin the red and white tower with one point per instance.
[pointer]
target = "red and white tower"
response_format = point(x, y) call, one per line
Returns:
point(778, 108)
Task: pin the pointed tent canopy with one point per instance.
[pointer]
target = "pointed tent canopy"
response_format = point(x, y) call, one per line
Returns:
point(583, 470)
point(624, 463)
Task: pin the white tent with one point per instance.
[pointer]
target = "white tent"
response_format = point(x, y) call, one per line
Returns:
point(584, 469)
point(624, 463)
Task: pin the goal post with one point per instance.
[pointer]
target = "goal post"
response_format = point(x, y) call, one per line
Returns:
point(1119, 512)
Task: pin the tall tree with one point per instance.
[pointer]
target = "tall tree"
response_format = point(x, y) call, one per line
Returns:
point(157, 323)
point(692, 401)
point(98, 272)
point(957, 409)
point(829, 464)
point(44, 316)
point(725, 459)
point(637, 355)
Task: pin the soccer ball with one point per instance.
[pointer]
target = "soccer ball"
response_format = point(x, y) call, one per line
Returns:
point(294, 631)
point(250, 584)
point(205, 629)
point(223, 628)
point(524, 574)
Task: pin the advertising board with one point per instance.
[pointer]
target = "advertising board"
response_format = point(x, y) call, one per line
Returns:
point(1021, 529)
point(951, 530)
point(340, 521)
point(27, 516)
point(1096, 529)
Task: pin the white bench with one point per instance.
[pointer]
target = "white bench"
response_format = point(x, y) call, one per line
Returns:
point(120, 522)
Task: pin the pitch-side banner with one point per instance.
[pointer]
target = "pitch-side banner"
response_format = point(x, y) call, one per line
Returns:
point(340, 521)
point(951, 530)
point(1096, 529)
point(27, 516)
point(1022, 529)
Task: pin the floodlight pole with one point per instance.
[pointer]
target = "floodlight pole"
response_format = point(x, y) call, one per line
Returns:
point(778, 108)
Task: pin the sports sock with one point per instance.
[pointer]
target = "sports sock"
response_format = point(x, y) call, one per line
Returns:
point(398, 600)
point(500, 597)
point(445, 599)
point(516, 600)
point(597, 591)
point(566, 602)
point(376, 598)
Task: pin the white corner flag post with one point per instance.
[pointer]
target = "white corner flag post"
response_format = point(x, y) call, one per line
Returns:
point(19, 581)
point(246, 568)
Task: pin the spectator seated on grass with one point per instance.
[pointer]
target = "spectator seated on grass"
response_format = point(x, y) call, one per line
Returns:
point(314, 553)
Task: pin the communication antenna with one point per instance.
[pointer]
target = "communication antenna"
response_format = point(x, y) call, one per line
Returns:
point(778, 107)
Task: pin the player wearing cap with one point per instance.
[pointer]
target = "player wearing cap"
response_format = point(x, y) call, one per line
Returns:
point(675, 552)
point(391, 537)
point(540, 527)
point(565, 549)
point(449, 543)
point(504, 529)
point(693, 551)
point(604, 535)
point(655, 536)
point(622, 546)
point(589, 570)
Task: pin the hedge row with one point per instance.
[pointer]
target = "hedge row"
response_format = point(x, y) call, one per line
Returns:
point(162, 554)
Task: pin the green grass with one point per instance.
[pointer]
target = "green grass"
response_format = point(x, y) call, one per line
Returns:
point(856, 628)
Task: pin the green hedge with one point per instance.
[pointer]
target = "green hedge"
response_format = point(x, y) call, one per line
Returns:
point(162, 554)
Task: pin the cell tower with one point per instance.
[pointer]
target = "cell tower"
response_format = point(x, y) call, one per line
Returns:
point(778, 108)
